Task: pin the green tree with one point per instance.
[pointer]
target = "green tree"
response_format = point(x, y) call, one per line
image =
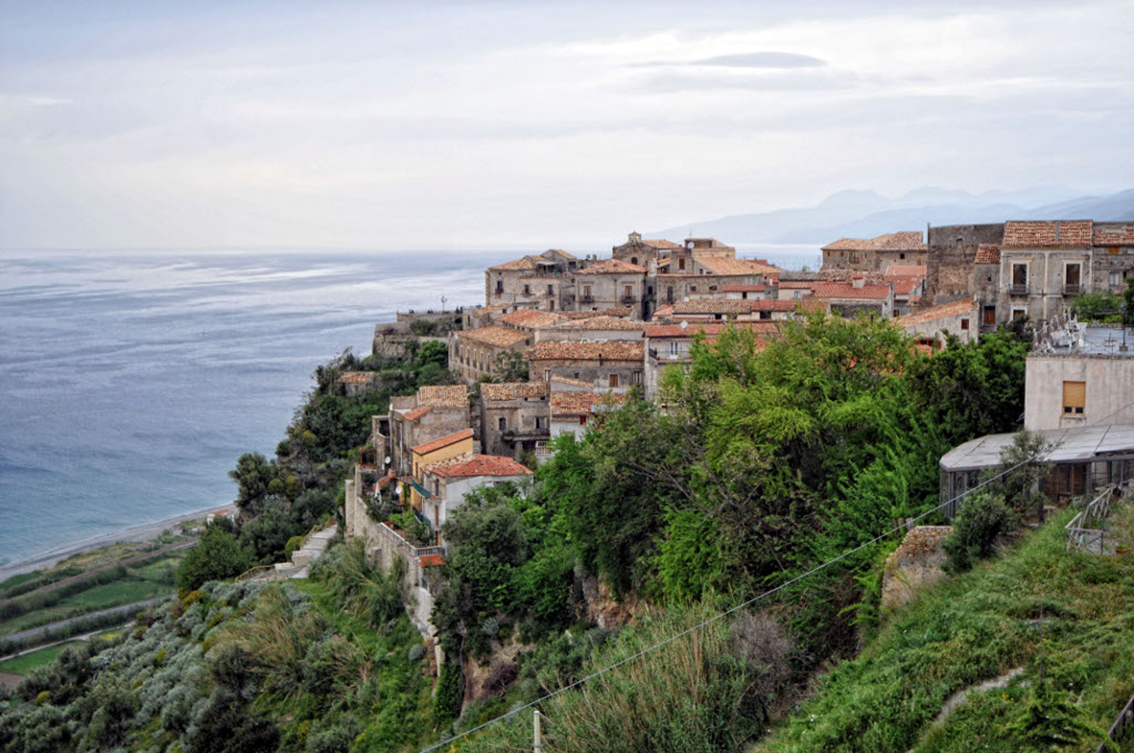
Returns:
point(1098, 306)
point(509, 366)
point(983, 519)
point(253, 475)
point(218, 556)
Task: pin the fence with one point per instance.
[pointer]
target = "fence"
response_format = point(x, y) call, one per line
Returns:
point(1081, 534)
point(1122, 724)
point(414, 551)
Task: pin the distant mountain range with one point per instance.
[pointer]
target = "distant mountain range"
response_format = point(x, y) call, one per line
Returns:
point(865, 214)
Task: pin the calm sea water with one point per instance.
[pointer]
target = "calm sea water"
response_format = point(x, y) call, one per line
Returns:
point(129, 385)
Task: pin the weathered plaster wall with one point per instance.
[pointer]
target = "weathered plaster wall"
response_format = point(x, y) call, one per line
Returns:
point(1109, 389)
point(949, 260)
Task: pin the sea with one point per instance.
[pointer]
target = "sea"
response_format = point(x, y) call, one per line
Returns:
point(130, 382)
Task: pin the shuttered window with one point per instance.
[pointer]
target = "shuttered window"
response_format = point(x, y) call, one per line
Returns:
point(1074, 398)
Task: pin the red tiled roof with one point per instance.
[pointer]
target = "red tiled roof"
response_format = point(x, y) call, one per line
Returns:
point(739, 288)
point(512, 390)
point(796, 284)
point(417, 413)
point(443, 395)
point(496, 335)
point(437, 444)
point(469, 466)
point(713, 306)
point(524, 262)
point(773, 305)
point(987, 254)
point(907, 270)
point(905, 285)
point(1048, 234)
point(723, 265)
point(601, 323)
point(660, 243)
point(1114, 234)
point(587, 351)
point(564, 404)
point(907, 240)
point(613, 267)
point(431, 560)
point(551, 252)
point(848, 290)
point(939, 312)
point(711, 329)
point(570, 381)
point(531, 318)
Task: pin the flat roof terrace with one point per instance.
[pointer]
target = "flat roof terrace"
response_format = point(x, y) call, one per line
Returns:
point(1081, 444)
point(1081, 339)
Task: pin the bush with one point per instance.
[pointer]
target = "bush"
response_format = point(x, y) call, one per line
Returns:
point(217, 557)
point(983, 519)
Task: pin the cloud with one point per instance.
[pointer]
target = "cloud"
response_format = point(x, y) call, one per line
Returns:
point(761, 60)
point(680, 81)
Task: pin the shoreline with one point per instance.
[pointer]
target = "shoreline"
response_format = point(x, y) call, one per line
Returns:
point(138, 533)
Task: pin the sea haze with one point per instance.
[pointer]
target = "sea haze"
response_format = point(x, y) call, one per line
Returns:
point(129, 385)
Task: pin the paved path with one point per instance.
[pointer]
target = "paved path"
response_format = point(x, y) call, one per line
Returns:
point(125, 609)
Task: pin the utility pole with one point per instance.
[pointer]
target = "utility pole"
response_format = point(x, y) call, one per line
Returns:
point(537, 739)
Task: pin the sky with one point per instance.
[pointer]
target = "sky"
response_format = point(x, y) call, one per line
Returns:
point(430, 125)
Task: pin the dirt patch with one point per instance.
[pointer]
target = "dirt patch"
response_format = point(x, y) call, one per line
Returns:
point(9, 682)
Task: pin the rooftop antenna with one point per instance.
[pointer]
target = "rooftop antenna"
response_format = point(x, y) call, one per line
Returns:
point(443, 299)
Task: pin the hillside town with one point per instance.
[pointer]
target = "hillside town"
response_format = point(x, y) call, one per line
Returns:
point(561, 339)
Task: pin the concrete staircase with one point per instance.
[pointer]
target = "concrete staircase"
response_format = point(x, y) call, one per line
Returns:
point(313, 547)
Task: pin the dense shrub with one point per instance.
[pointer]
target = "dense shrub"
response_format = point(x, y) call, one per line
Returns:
point(983, 519)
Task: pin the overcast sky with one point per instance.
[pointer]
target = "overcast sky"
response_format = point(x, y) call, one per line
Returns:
point(427, 125)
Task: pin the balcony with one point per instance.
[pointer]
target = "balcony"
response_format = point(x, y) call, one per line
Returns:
point(1018, 289)
point(1072, 288)
point(586, 299)
point(628, 299)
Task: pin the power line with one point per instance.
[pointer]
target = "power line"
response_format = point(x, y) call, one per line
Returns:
point(735, 609)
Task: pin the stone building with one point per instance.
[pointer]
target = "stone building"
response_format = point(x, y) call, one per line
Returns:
point(424, 455)
point(472, 353)
point(929, 326)
point(573, 411)
point(643, 253)
point(669, 344)
point(875, 254)
point(614, 364)
point(434, 412)
point(446, 483)
point(611, 283)
point(594, 328)
point(514, 417)
point(857, 296)
point(543, 280)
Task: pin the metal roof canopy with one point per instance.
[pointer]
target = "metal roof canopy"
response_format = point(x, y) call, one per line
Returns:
point(1073, 445)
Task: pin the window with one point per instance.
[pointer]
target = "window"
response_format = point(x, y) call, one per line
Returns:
point(669, 294)
point(628, 291)
point(765, 314)
point(1020, 275)
point(1115, 279)
point(551, 290)
point(674, 347)
point(586, 291)
point(901, 256)
point(1071, 274)
point(613, 380)
point(1074, 398)
point(633, 259)
point(693, 288)
point(637, 377)
point(527, 290)
point(681, 263)
point(547, 375)
point(499, 287)
point(538, 423)
point(964, 324)
point(990, 315)
point(503, 422)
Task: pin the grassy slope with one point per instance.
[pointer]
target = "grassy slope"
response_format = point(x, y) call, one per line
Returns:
point(21, 665)
point(973, 628)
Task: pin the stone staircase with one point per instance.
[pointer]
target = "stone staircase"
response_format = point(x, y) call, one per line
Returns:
point(313, 547)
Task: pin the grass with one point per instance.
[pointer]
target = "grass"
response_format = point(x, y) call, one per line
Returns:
point(973, 628)
point(21, 665)
point(114, 594)
point(16, 580)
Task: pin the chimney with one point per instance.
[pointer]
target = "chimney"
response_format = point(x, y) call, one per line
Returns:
point(859, 281)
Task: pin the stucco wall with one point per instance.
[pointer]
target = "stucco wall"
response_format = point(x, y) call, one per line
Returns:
point(1109, 388)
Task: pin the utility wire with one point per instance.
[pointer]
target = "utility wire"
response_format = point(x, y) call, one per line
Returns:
point(735, 609)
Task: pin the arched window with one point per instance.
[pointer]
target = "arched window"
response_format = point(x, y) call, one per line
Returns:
point(633, 259)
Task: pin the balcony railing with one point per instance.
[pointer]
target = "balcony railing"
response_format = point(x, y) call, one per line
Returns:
point(628, 299)
point(586, 299)
point(414, 551)
point(1018, 289)
point(1071, 288)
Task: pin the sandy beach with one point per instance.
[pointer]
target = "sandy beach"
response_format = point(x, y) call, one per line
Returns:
point(143, 532)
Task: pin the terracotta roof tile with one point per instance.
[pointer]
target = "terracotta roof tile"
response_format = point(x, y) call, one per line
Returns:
point(939, 312)
point(739, 288)
point(470, 466)
point(512, 390)
point(1114, 234)
point(524, 262)
point(907, 270)
point(613, 267)
point(713, 306)
point(987, 254)
point(437, 444)
point(723, 265)
point(531, 318)
point(849, 291)
point(495, 335)
point(1048, 234)
point(552, 252)
point(774, 305)
point(601, 323)
point(907, 240)
point(416, 414)
point(796, 284)
point(587, 351)
point(711, 329)
point(567, 404)
point(568, 380)
point(905, 285)
point(660, 243)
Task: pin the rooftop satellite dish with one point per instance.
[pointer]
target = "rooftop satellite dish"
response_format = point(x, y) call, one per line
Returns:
point(684, 324)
